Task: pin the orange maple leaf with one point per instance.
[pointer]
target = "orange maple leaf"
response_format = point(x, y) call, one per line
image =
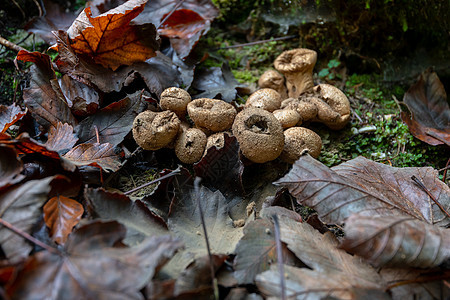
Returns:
point(110, 40)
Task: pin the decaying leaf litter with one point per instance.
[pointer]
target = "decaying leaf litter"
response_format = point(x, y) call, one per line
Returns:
point(57, 184)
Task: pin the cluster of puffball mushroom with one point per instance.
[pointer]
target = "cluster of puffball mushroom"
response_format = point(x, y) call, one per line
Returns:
point(268, 126)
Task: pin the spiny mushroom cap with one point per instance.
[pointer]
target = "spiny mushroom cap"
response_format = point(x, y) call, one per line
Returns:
point(337, 100)
point(153, 131)
point(271, 79)
point(176, 100)
point(296, 60)
point(267, 99)
point(211, 114)
point(298, 140)
point(287, 117)
point(259, 134)
point(190, 145)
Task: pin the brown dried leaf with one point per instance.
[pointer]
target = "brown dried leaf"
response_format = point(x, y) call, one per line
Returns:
point(61, 214)
point(396, 241)
point(10, 167)
point(110, 40)
point(99, 155)
point(83, 100)
point(333, 272)
point(93, 267)
point(61, 138)
point(10, 115)
point(430, 112)
point(366, 187)
point(44, 97)
point(21, 207)
point(113, 122)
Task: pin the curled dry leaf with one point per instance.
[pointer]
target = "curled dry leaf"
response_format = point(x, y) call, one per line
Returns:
point(79, 271)
point(82, 99)
point(21, 207)
point(61, 138)
point(61, 214)
point(366, 187)
point(10, 115)
point(103, 156)
point(10, 167)
point(110, 40)
point(44, 97)
point(430, 112)
point(396, 241)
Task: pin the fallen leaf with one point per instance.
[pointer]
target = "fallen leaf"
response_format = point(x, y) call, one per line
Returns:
point(110, 40)
point(185, 67)
point(55, 18)
point(256, 251)
point(113, 122)
point(10, 167)
point(366, 187)
point(184, 222)
point(333, 272)
point(83, 100)
point(139, 220)
point(222, 168)
point(396, 241)
point(44, 98)
point(61, 214)
point(187, 23)
point(21, 206)
point(92, 267)
point(100, 155)
point(215, 82)
point(61, 138)
point(9, 115)
point(430, 113)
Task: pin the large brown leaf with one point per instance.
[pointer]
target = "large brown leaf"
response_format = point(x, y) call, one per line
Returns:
point(396, 241)
point(61, 214)
point(113, 122)
point(61, 138)
point(110, 40)
point(139, 220)
point(21, 206)
point(366, 187)
point(99, 155)
point(10, 167)
point(333, 272)
point(10, 115)
point(91, 267)
point(430, 112)
point(83, 100)
point(44, 97)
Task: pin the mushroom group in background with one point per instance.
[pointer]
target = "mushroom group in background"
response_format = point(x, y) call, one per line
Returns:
point(266, 128)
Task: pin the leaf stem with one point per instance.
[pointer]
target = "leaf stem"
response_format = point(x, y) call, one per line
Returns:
point(419, 183)
point(10, 45)
point(288, 37)
point(279, 255)
point(173, 173)
point(28, 237)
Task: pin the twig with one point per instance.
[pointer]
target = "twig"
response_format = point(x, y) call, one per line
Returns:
point(288, 37)
point(170, 13)
point(96, 134)
point(202, 218)
point(419, 183)
point(10, 45)
point(445, 170)
point(173, 173)
point(29, 237)
point(279, 255)
point(20, 8)
point(41, 13)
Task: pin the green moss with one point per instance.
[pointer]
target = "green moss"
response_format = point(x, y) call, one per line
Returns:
point(246, 76)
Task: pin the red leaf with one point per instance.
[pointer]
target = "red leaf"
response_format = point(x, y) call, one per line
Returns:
point(430, 112)
point(10, 115)
point(99, 155)
point(110, 40)
point(61, 214)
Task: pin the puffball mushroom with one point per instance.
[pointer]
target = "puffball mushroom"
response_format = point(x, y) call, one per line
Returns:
point(190, 145)
point(211, 114)
point(297, 66)
point(259, 134)
point(216, 139)
point(267, 99)
point(155, 130)
point(176, 100)
point(297, 141)
point(287, 117)
point(335, 113)
point(273, 80)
